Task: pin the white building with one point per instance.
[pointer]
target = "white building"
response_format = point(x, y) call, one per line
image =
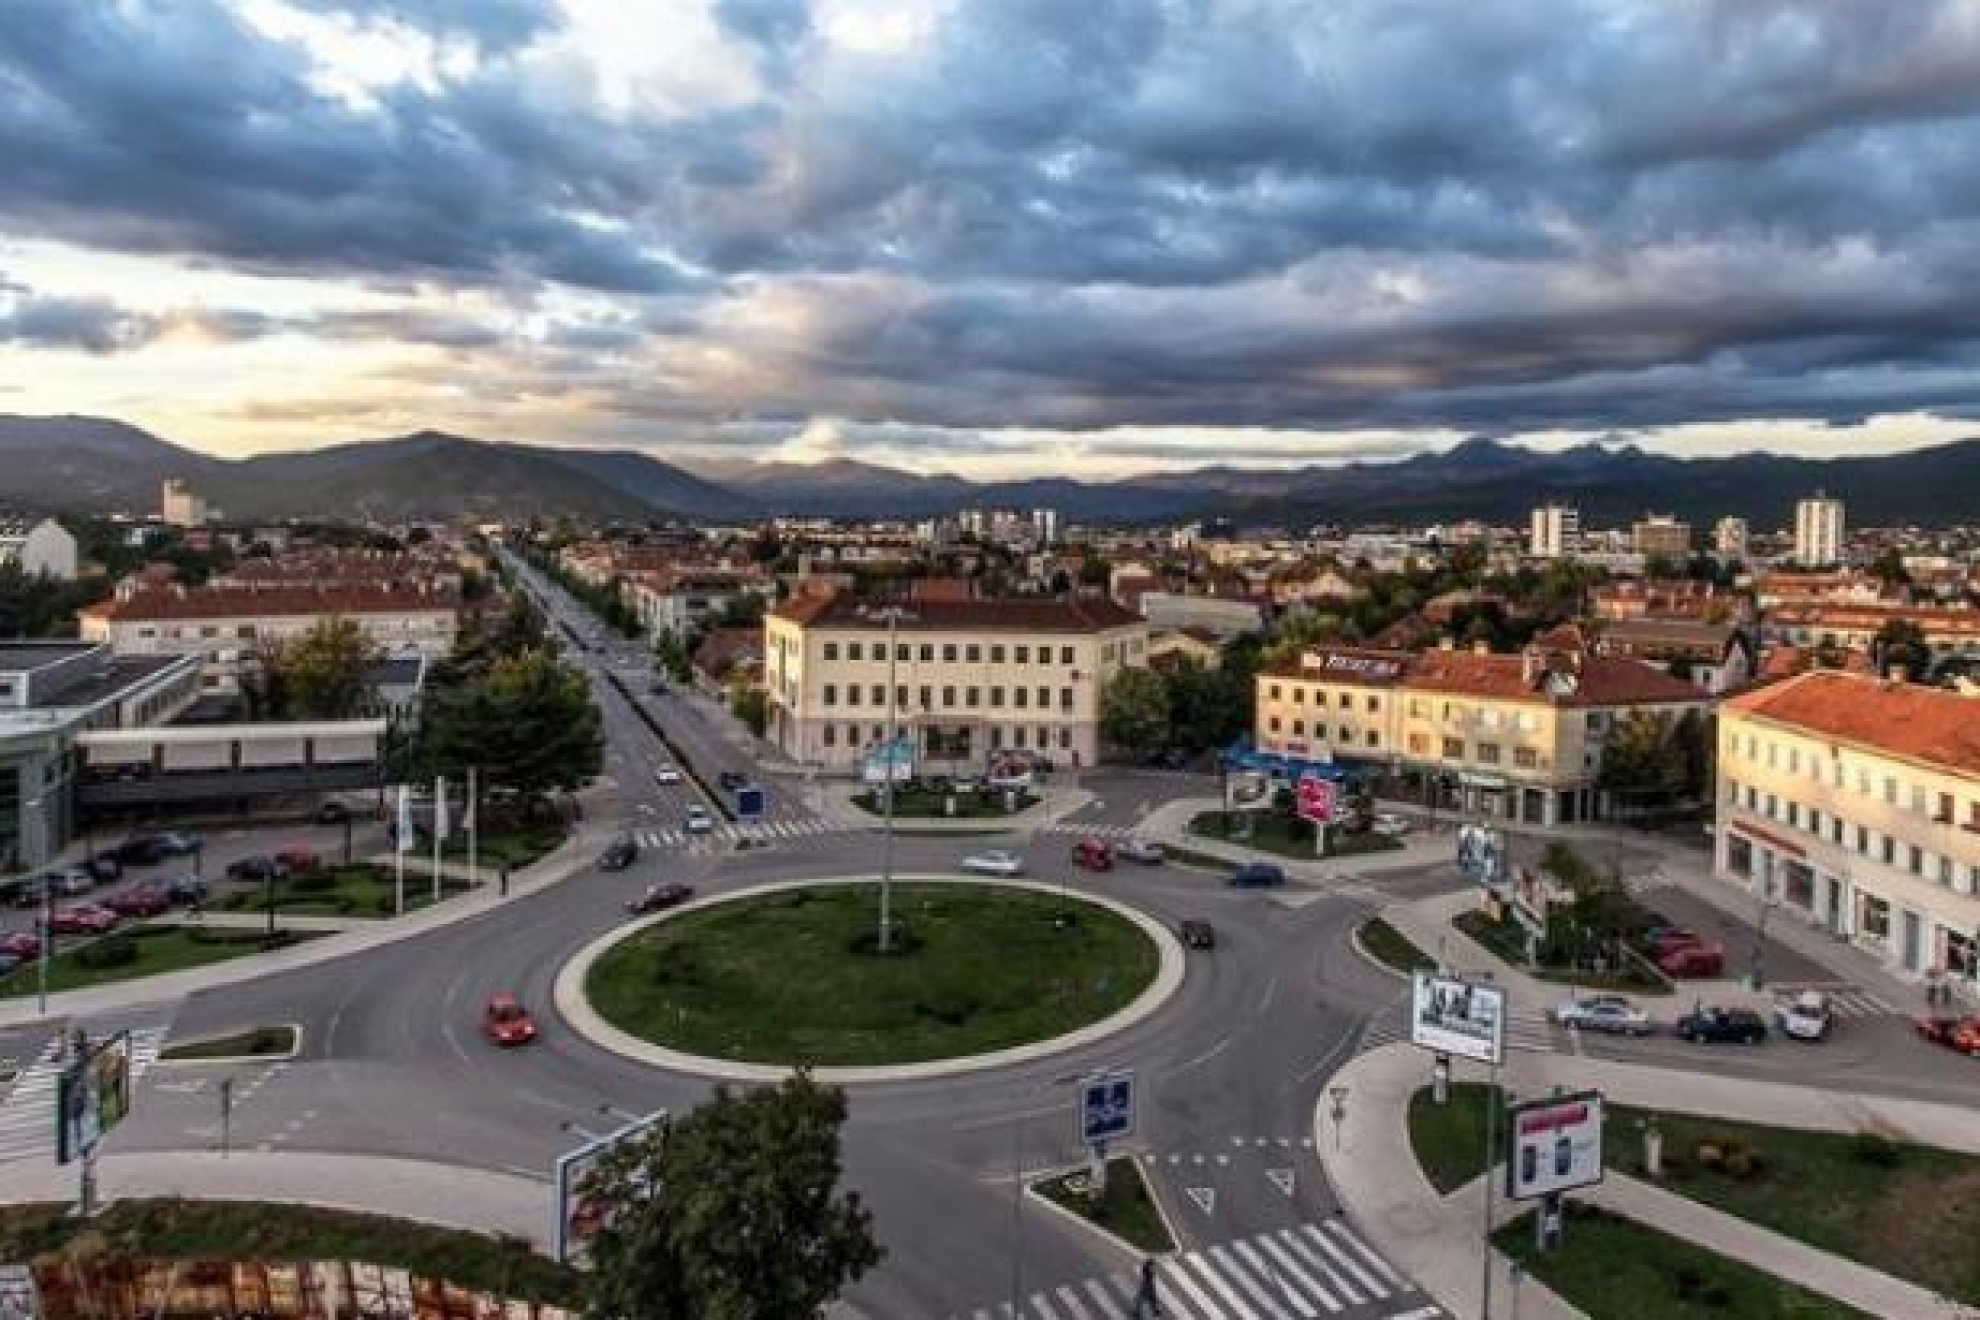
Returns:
point(1045, 526)
point(1729, 539)
point(1818, 531)
point(42, 549)
point(1555, 532)
point(181, 506)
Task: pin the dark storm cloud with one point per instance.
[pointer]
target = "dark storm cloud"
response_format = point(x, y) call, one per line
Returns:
point(93, 325)
point(1369, 214)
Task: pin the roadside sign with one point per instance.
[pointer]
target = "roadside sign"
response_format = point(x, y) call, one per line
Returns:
point(1452, 1016)
point(1106, 1108)
point(92, 1096)
point(1313, 798)
point(1554, 1145)
point(749, 802)
point(1248, 790)
point(580, 1208)
point(889, 762)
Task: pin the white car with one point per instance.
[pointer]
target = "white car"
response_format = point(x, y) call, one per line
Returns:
point(994, 862)
point(1389, 823)
point(1607, 1013)
point(666, 774)
point(700, 820)
point(1807, 1016)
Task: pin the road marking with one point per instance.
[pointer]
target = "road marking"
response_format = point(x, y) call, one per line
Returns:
point(1205, 1198)
point(1207, 1055)
point(1281, 1179)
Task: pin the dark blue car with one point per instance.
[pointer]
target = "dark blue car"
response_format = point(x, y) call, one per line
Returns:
point(1258, 875)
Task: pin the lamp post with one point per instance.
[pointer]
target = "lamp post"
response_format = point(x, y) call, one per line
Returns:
point(893, 614)
point(33, 807)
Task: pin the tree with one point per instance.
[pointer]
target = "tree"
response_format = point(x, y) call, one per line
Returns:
point(670, 653)
point(1644, 762)
point(1900, 644)
point(731, 1213)
point(1888, 568)
point(326, 673)
point(1134, 711)
point(750, 705)
point(528, 724)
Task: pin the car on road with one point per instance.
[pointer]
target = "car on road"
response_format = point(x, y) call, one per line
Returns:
point(72, 880)
point(666, 774)
point(1197, 934)
point(296, 860)
point(177, 843)
point(186, 890)
point(82, 919)
point(700, 820)
point(141, 850)
point(1093, 855)
point(1717, 1026)
point(255, 868)
point(658, 898)
point(732, 779)
point(506, 1022)
point(1805, 1016)
point(146, 900)
point(1612, 1014)
point(1258, 875)
point(104, 866)
point(1692, 960)
point(1389, 823)
point(332, 813)
point(623, 853)
point(1145, 851)
point(1955, 1033)
point(994, 861)
point(20, 944)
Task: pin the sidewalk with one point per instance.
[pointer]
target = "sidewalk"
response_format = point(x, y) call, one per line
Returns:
point(836, 802)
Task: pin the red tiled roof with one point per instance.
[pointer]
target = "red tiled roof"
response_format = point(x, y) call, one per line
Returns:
point(1599, 680)
point(268, 602)
point(1079, 614)
point(1953, 620)
point(1925, 724)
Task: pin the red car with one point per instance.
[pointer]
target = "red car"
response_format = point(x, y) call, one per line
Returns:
point(20, 944)
point(506, 1022)
point(82, 919)
point(1093, 855)
point(1700, 959)
point(142, 901)
point(658, 898)
point(293, 860)
point(1955, 1033)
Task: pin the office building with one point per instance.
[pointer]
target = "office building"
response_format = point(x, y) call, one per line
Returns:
point(1555, 532)
point(1818, 532)
point(1659, 535)
point(1729, 540)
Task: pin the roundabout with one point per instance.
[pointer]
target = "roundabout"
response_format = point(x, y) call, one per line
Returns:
point(985, 973)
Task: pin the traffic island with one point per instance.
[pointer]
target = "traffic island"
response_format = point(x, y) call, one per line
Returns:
point(981, 973)
point(1125, 1209)
point(255, 1045)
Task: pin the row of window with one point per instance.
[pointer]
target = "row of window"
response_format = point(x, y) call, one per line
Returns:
point(1485, 753)
point(1420, 708)
point(1860, 839)
point(1346, 699)
point(1941, 807)
point(1022, 737)
point(970, 653)
point(972, 697)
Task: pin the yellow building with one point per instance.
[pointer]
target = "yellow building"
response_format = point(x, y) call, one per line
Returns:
point(971, 677)
point(1854, 803)
point(1513, 736)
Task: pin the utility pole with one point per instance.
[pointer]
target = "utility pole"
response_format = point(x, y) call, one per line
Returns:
point(893, 614)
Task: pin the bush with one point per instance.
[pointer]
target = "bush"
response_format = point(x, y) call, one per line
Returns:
point(111, 951)
point(1875, 1150)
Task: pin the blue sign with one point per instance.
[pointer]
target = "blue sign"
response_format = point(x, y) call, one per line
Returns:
point(749, 802)
point(1106, 1108)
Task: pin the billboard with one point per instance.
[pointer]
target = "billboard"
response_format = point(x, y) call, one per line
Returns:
point(889, 761)
point(1314, 799)
point(92, 1096)
point(1450, 1016)
point(1553, 1145)
point(1480, 853)
point(581, 1210)
point(1248, 790)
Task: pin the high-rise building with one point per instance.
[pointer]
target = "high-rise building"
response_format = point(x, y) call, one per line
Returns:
point(1556, 532)
point(1045, 526)
point(1663, 535)
point(1729, 539)
point(181, 506)
point(1818, 531)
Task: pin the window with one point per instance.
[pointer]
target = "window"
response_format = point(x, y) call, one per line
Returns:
point(1454, 749)
point(852, 694)
point(997, 655)
point(1020, 697)
point(1273, 724)
point(973, 653)
point(1065, 655)
point(1044, 698)
point(1017, 737)
point(1299, 696)
point(831, 735)
point(1374, 702)
point(970, 697)
point(1021, 655)
point(1917, 860)
point(1372, 741)
point(901, 652)
point(1814, 821)
point(1876, 917)
point(948, 697)
point(1347, 701)
point(1488, 753)
point(927, 653)
point(1347, 734)
point(1890, 790)
point(1065, 698)
point(1065, 739)
point(1299, 729)
point(1863, 839)
point(1526, 758)
point(900, 697)
point(1794, 814)
point(879, 695)
point(927, 698)
point(855, 651)
point(1274, 691)
point(949, 653)
point(996, 698)
point(1890, 851)
point(831, 695)
point(1419, 744)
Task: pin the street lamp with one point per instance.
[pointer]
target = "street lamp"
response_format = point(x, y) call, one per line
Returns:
point(893, 614)
point(33, 807)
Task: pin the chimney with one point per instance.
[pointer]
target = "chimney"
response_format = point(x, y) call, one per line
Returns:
point(1446, 643)
point(1481, 647)
point(1894, 674)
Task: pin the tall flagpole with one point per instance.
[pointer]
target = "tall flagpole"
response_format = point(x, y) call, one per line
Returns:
point(473, 829)
point(439, 828)
point(401, 837)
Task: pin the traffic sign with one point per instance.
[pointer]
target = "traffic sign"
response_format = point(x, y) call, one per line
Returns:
point(1106, 1108)
point(749, 803)
point(1314, 799)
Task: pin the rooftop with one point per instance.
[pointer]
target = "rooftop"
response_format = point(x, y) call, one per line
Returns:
point(1558, 677)
point(1926, 724)
point(24, 657)
point(269, 602)
point(1077, 615)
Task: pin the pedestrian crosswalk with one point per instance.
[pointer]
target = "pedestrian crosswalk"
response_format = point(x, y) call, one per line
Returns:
point(1526, 1029)
point(27, 1112)
point(1845, 998)
point(1092, 831)
point(1313, 1270)
point(727, 832)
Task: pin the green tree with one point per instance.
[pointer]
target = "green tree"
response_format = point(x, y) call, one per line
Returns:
point(1134, 711)
point(528, 724)
point(731, 1213)
point(1888, 568)
point(750, 705)
point(1644, 761)
point(670, 654)
point(326, 673)
point(1900, 644)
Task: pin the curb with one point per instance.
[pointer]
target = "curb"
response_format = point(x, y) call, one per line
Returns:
point(575, 1007)
point(1107, 1235)
point(233, 1060)
point(1354, 939)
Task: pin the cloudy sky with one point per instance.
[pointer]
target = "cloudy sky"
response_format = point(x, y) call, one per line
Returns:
point(996, 237)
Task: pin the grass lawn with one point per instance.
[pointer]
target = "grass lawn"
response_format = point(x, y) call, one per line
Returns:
point(246, 1230)
point(1125, 1209)
point(789, 977)
point(1391, 947)
point(1287, 836)
point(1507, 940)
point(254, 1043)
point(934, 806)
point(1616, 1269)
point(1449, 1139)
point(153, 949)
point(514, 846)
point(364, 889)
point(1911, 1211)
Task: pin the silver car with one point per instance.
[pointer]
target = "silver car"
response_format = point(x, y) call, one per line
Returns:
point(1145, 851)
point(995, 861)
point(1612, 1014)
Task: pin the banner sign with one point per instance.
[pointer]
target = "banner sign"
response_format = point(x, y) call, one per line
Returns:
point(581, 1210)
point(1554, 1145)
point(1450, 1016)
point(1248, 790)
point(92, 1096)
point(1313, 798)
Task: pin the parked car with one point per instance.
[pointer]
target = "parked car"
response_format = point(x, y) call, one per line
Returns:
point(82, 919)
point(1389, 823)
point(1197, 935)
point(1258, 875)
point(177, 843)
point(1806, 1016)
point(255, 868)
point(666, 774)
point(1663, 939)
point(1955, 1033)
point(105, 866)
point(142, 850)
point(1606, 1013)
point(1692, 960)
point(148, 900)
point(186, 890)
point(296, 860)
point(332, 813)
point(1145, 851)
point(21, 944)
point(658, 898)
point(1093, 855)
point(732, 779)
point(994, 861)
point(623, 853)
point(72, 880)
point(506, 1022)
point(1715, 1026)
point(700, 820)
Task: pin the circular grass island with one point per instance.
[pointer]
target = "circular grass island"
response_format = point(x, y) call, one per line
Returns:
point(790, 976)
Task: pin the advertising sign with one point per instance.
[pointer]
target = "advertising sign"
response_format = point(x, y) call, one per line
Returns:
point(92, 1096)
point(581, 1210)
point(1106, 1108)
point(1248, 790)
point(1479, 853)
point(749, 802)
point(1314, 800)
point(1553, 1145)
point(1465, 1018)
point(889, 761)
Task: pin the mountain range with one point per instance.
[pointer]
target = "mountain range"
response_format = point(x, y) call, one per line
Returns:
point(93, 464)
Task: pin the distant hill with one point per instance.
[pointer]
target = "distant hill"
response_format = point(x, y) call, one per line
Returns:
point(86, 464)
